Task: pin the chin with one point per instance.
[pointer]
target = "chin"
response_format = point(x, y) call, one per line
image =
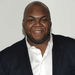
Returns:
point(38, 40)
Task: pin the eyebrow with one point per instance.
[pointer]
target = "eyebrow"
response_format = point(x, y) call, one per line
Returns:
point(34, 17)
point(43, 16)
point(31, 16)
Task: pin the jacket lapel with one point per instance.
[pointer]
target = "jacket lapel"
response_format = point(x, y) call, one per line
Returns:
point(26, 64)
point(56, 57)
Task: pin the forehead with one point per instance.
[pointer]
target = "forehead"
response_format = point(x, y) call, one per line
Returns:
point(36, 10)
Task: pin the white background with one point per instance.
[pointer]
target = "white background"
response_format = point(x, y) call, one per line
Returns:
point(11, 14)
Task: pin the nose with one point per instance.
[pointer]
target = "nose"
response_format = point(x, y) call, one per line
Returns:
point(38, 23)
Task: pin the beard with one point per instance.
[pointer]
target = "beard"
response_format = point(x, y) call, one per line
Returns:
point(46, 36)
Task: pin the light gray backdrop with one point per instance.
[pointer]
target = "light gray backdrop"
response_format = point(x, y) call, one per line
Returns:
point(11, 14)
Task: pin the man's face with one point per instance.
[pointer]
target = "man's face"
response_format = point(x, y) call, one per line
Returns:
point(37, 24)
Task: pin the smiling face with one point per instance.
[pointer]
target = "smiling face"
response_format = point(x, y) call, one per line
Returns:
point(37, 24)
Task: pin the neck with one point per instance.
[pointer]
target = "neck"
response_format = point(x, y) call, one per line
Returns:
point(41, 46)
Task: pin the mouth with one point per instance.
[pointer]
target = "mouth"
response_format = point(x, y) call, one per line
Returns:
point(37, 31)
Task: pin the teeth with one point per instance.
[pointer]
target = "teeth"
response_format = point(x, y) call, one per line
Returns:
point(37, 31)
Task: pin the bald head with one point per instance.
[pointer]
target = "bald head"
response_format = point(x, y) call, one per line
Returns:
point(36, 5)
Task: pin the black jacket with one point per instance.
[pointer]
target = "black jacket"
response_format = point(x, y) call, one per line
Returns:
point(14, 60)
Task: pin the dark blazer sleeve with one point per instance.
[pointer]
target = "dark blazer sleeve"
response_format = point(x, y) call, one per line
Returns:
point(4, 62)
point(72, 57)
point(1, 70)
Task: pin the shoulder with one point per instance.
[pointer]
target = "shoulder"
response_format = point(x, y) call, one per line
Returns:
point(65, 43)
point(63, 39)
point(66, 46)
point(11, 56)
point(13, 49)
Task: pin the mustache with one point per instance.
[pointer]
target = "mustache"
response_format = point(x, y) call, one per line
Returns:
point(37, 28)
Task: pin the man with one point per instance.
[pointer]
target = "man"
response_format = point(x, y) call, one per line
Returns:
point(40, 52)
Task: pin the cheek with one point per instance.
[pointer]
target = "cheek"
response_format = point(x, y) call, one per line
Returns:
point(47, 26)
point(28, 28)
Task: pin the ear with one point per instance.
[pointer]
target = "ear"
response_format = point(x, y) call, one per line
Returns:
point(23, 28)
point(23, 23)
point(51, 23)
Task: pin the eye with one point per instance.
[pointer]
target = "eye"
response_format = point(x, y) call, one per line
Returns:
point(44, 19)
point(30, 20)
